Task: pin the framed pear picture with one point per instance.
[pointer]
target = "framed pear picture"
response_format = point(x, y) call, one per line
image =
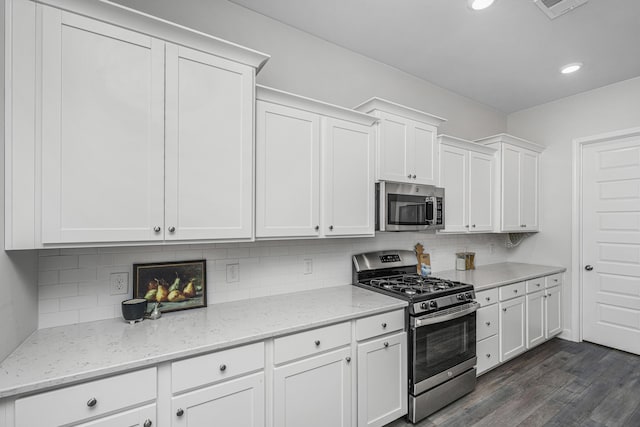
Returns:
point(177, 285)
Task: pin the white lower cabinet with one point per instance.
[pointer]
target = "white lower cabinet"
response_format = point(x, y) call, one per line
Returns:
point(382, 380)
point(238, 403)
point(139, 417)
point(313, 392)
point(487, 328)
point(512, 327)
point(488, 353)
point(535, 318)
point(553, 311)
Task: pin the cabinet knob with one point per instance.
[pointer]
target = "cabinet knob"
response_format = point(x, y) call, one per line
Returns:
point(147, 423)
point(386, 344)
point(384, 325)
point(156, 228)
point(409, 176)
point(317, 227)
point(538, 284)
point(488, 298)
point(172, 229)
point(348, 359)
point(317, 342)
point(488, 323)
point(331, 227)
point(473, 226)
point(414, 177)
point(180, 412)
point(223, 367)
point(466, 226)
point(515, 291)
point(488, 356)
point(92, 402)
point(546, 296)
point(504, 309)
point(555, 280)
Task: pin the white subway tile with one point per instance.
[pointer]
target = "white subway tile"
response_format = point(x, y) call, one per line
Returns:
point(96, 313)
point(48, 305)
point(58, 291)
point(49, 277)
point(78, 275)
point(78, 302)
point(57, 262)
point(49, 320)
point(213, 254)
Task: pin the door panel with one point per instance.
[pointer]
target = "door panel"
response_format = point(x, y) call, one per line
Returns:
point(287, 191)
point(529, 190)
point(209, 150)
point(480, 192)
point(348, 179)
point(103, 94)
point(453, 177)
point(392, 157)
point(611, 243)
point(424, 159)
point(510, 189)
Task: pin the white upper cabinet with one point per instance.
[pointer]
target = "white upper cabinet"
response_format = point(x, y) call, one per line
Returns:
point(517, 182)
point(145, 133)
point(466, 173)
point(407, 149)
point(314, 168)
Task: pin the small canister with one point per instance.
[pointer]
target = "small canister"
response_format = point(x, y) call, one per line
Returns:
point(465, 260)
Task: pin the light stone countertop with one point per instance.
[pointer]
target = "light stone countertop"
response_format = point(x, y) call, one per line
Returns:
point(68, 354)
point(494, 275)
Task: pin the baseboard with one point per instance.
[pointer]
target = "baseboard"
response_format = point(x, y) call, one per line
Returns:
point(567, 334)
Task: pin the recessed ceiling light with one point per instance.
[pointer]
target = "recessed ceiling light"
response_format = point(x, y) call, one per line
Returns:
point(480, 4)
point(571, 68)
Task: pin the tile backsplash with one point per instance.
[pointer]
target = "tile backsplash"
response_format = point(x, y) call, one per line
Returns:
point(74, 284)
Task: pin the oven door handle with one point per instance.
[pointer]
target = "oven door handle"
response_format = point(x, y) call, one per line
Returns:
point(430, 320)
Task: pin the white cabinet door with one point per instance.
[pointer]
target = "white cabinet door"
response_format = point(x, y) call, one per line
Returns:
point(102, 131)
point(510, 188)
point(348, 179)
point(512, 328)
point(238, 403)
point(314, 392)
point(535, 318)
point(139, 417)
point(529, 190)
point(454, 179)
point(382, 380)
point(423, 159)
point(553, 311)
point(394, 148)
point(480, 197)
point(287, 172)
point(209, 146)
point(488, 351)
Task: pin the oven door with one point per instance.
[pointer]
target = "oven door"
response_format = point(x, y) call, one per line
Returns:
point(442, 345)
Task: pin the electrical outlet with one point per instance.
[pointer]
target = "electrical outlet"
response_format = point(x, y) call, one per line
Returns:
point(492, 248)
point(119, 283)
point(233, 273)
point(308, 266)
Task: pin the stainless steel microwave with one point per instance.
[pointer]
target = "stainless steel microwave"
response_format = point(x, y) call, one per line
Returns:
point(409, 207)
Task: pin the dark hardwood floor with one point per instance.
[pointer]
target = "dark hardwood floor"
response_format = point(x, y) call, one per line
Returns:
point(557, 384)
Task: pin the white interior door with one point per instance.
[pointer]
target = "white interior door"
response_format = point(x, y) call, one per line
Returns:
point(611, 243)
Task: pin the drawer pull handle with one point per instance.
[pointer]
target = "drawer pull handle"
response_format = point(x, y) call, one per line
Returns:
point(223, 367)
point(488, 323)
point(488, 356)
point(348, 359)
point(317, 342)
point(538, 284)
point(386, 344)
point(384, 325)
point(555, 280)
point(147, 423)
point(488, 298)
point(515, 291)
point(180, 412)
point(92, 402)
point(156, 229)
point(317, 227)
point(172, 229)
point(504, 309)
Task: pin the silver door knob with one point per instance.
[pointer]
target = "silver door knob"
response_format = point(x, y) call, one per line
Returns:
point(180, 412)
point(156, 229)
point(409, 176)
point(147, 423)
point(317, 227)
point(223, 367)
point(466, 226)
point(588, 267)
point(172, 229)
point(386, 344)
point(384, 325)
point(317, 342)
point(488, 355)
point(488, 323)
point(414, 177)
point(92, 402)
point(348, 359)
point(331, 227)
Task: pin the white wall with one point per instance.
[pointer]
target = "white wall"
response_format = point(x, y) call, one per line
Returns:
point(18, 291)
point(555, 125)
point(309, 66)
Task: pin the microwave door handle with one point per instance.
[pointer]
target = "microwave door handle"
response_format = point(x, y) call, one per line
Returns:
point(426, 320)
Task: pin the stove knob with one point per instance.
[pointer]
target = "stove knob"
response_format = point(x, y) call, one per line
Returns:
point(467, 295)
point(424, 306)
point(433, 304)
point(460, 296)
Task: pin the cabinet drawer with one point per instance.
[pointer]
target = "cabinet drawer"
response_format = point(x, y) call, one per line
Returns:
point(554, 280)
point(213, 367)
point(534, 285)
point(512, 291)
point(487, 322)
point(488, 297)
point(488, 351)
point(311, 342)
point(76, 403)
point(381, 324)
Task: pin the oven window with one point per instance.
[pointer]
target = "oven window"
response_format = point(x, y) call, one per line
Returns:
point(406, 210)
point(441, 346)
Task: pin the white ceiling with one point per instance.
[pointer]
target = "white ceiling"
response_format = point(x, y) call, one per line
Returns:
point(507, 56)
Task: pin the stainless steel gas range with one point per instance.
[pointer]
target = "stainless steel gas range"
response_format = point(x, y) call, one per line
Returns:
point(441, 322)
